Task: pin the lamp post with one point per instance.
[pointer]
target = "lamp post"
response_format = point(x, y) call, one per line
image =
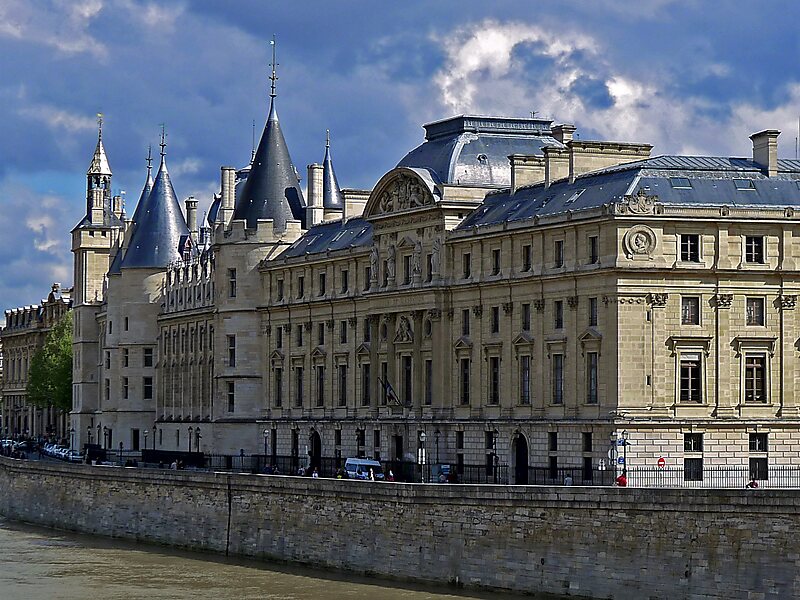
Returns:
point(105, 437)
point(98, 434)
point(436, 435)
point(72, 438)
point(155, 428)
point(198, 437)
point(496, 459)
point(191, 429)
point(624, 450)
point(266, 441)
point(145, 438)
point(88, 434)
point(422, 437)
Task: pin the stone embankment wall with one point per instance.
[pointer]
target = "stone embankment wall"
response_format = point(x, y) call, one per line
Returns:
point(582, 542)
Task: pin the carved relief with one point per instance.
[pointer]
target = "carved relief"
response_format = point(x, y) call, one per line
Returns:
point(477, 310)
point(404, 331)
point(657, 300)
point(434, 314)
point(538, 305)
point(508, 308)
point(640, 204)
point(723, 300)
point(787, 302)
point(572, 301)
point(403, 193)
point(639, 242)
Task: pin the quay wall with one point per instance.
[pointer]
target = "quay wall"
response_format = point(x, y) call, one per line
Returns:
point(575, 541)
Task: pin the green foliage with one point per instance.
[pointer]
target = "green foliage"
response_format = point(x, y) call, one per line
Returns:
point(50, 377)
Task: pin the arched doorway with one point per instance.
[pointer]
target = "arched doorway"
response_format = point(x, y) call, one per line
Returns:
point(520, 453)
point(315, 450)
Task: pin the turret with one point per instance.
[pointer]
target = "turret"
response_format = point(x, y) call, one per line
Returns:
point(98, 181)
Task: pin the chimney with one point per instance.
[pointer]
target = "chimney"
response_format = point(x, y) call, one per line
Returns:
point(117, 205)
point(556, 164)
point(765, 151)
point(228, 191)
point(525, 170)
point(563, 133)
point(314, 212)
point(191, 216)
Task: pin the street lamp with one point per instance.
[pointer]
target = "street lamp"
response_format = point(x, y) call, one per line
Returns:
point(625, 449)
point(436, 435)
point(105, 437)
point(422, 437)
point(191, 429)
point(266, 439)
point(98, 434)
point(72, 438)
point(155, 428)
point(89, 434)
point(145, 438)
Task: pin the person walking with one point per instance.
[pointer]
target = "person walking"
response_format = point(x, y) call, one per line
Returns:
point(622, 480)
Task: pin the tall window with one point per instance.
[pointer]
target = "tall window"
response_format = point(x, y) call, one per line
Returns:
point(558, 378)
point(322, 284)
point(342, 332)
point(320, 373)
point(690, 310)
point(298, 386)
point(279, 290)
point(125, 388)
point(407, 379)
point(593, 312)
point(591, 377)
point(464, 380)
point(755, 311)
point(428, 382)
point(126, 355)
point(465, 322)
point(231, 396)
point(496, 261)
point(558, 254)
point(320, 334)
point(147, 357)
point(366, 385)
point(526, 317)
point(147, 388)
point(495, 319)
point(494, 380)
point(385, 380)
point(759, 465)
point(690, 247)
point(278, 384)
point(367, 278)
point(407, 269)
point(693, 465)
point(466, 264)
point(754, 249)
point(367, 330)
point(279, 336)
point(691, 378)
point(231, 350)
point(525, 379)
point(301, 286)
point(231, 283)
point(342, 385)
point(345, 281)
point(594, 250)
point(558, 313)
point(299, 335)
point(755, 378)
point(526, 258)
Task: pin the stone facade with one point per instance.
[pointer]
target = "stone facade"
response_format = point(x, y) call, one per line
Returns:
point(576, 542)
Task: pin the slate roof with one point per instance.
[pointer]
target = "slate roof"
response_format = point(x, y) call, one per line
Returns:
point(687, 180)
point(332, 236)
point(331, 193)
point(116, 264)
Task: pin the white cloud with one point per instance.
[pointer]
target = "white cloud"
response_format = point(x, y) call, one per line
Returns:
point(57, 118)
point(187, 166)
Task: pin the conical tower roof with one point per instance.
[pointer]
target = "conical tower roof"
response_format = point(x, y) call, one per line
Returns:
point(141, 208)
point(272, 190)
point(99, 164)
point(331, 194)
point(158, 225)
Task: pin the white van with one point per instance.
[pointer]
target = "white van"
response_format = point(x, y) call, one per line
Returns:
point(358, 468)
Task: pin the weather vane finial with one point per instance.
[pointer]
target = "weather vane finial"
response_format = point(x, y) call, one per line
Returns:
point(149, 158)
point(99, 126)
point(163, 143)
point(327, 138)
point(274, 65)
point(253, 143)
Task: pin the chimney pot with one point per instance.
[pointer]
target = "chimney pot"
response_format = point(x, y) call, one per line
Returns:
point(765, 151)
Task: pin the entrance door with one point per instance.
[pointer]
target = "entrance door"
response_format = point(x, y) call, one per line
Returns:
point(521, 460)
point(316, 451)
point(134, 439)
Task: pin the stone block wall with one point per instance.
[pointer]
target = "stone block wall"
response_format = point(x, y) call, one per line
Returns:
point(577, 542)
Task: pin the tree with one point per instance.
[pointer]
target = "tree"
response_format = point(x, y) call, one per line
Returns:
point(50, 376)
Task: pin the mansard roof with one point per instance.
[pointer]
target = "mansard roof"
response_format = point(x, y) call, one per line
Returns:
point(272, 189)
point(672, 180)
point(157, 233)
point(332, 236)
point(474, 150)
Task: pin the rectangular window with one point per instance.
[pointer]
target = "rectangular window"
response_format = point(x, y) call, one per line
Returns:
point(755, 311)
point(592, 312)
point(231, 350)
point(693, 469)
point(429, 268)
point(690, 310)
point(591, 377)
point(367, 278)
point(552, 441)
point(279, 290)
point(407, 269)
point(407, 379)
point(526, 258)
point(231, 283)
point(385, 380)
point(759, 468)
point(337, 437)
point(299, 335)
point(459, 440)
point(464, 380)
point(588, 469)
point(465, 322)
point(466, 265)
point(594, 250)
point(301, 286)
point(525, 379)
point(342, 332)
point(558, 378)
point(361, 437)
point(692, 442)
point(586, 439)
point(107, 389)
point(690, 247)
point(345, 281)
point(125, 388)
point(494, 380)
point(496, 261)
point(428, 382)
point(366, 385)
point(231, 396)
point(342, 385)
point(367, 330)
point(108, 359)
point(126, 324)
point(320, 334)
point(376, 438)
point(320, 377)
point(488, 440)
point(298, 386)
point(147, 359)
point(754, 249)
point(295, 442)
point(526, 317)
point(279, 336)
point(558, 313)
point(758, 442)
point(147, 388)
point(278, 387)
point(322, 287)
point(755, 376)
point(495, 319)
point(558, 253)
point(125, 357)
point(691, 378)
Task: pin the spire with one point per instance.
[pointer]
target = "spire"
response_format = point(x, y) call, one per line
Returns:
point(99, 164)
point(331, 194)
point(158, 223)
point(141, 209)
point(274, 65)
point(272, 189)
point(149, 161)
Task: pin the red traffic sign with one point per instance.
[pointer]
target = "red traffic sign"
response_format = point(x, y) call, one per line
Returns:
point(662, 463)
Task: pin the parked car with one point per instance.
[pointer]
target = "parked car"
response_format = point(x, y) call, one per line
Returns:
point(359, 468)
point(74, 456)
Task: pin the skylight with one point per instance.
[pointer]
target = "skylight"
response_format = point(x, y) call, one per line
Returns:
point(744, 184)
point(680, 183)
point(575, 196)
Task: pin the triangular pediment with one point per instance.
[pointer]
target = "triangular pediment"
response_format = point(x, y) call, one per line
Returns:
point(523, 338)
point(591, 334)
point(363, 349)
point(276, 355)
point(318, 352)
point(463, 343)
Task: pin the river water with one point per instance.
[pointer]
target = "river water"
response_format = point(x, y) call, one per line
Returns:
point(40, 564)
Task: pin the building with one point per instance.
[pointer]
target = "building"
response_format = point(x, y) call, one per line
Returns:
point(506, 295)
point(24, 332)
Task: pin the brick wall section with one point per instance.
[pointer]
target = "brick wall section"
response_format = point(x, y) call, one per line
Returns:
point(600, 543)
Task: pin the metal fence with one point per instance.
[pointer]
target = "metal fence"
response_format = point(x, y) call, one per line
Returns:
point(779, 476)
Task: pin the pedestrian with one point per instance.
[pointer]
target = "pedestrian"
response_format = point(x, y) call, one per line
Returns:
point(752, 485)
point(622, 480)
point(174, 465)
point(391, 476)
point(371, 475)
point(568, 479)
point(315, 473)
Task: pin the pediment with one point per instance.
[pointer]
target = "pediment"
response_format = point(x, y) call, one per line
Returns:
point(363, 349)
point(590, 335)
point(402, 190)
point(522, 339)
point(406, 242)
point(463, 343)
point(318, 352)
point(276, 355)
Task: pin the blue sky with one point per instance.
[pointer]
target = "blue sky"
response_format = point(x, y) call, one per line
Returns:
point(687, 76)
